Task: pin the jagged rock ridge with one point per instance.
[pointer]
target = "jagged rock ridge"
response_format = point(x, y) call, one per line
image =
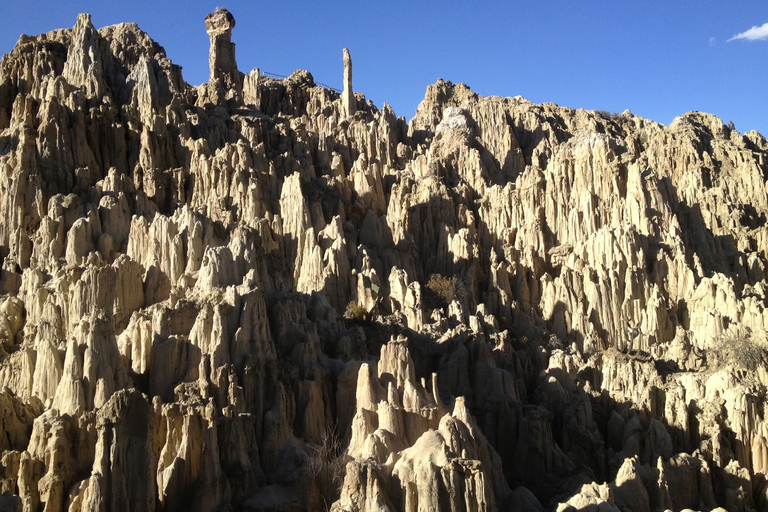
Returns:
point(260, 294)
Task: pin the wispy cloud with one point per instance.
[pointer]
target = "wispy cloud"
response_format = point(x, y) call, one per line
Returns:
point(712, 41)
point(754, 34)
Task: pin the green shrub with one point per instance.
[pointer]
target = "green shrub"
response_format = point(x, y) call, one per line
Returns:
point(355, 312)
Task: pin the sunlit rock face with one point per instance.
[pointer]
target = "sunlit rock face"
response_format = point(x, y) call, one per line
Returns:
point(261, 294)
point(221, 58)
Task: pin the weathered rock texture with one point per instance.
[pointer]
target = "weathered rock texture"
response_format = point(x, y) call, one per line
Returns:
point(241, 296)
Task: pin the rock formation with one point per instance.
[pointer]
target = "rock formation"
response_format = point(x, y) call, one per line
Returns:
point(348, 100)
point(242, 296)
point(221, 57)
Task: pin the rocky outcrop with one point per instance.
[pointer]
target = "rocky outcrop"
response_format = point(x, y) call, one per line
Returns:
point(262, 294)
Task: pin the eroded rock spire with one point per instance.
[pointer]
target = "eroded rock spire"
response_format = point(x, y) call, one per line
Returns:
point(221, 57)
point(348, 101)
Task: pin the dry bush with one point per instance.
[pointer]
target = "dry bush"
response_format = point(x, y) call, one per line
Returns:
point(605, 114)
point(443, 288)
point(740, 351)
point(325, 469)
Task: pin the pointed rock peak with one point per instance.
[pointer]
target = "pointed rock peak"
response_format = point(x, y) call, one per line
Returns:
point(393, 398)
point(83, 34)
point(83, 67)
point(440, 95)
point(83, 22)
point(348, 100)
point(460, 410)
point(369, 391)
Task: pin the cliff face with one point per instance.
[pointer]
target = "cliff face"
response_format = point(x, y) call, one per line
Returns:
point(261, 294)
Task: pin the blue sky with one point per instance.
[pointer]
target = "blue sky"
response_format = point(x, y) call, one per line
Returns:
point(657, 58)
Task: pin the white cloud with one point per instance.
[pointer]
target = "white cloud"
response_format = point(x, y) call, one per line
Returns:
point(712, 41)
point(754, 34)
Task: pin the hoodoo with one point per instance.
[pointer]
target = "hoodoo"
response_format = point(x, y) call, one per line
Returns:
point(221, 56)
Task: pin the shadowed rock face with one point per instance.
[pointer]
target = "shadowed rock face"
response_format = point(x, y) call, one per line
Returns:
point(239, 295)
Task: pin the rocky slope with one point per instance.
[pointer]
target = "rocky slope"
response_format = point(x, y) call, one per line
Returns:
point(262, 294)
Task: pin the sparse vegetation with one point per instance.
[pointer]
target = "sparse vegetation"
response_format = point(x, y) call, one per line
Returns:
point(443, 289)
point(605, 114)
point(325, 469)
point(740, 351)
point(355, 312)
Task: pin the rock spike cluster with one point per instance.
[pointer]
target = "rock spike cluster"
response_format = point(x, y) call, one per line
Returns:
point(244, 295)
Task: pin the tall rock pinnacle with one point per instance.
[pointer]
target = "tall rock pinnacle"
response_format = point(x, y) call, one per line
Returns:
point(221, 58)
point(348, 101)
